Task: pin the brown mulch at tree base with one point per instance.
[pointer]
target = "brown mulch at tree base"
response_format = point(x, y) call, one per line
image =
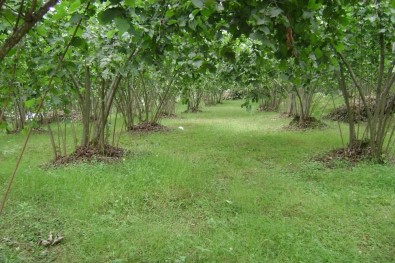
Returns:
point(341, 114)
point(194, 110)
point(39, 130)
point(91, 153)
point(148, 127)
point(306, 124)
point(61, 116)
point(360, 115)
point(285, 115)
point(169, 115)
point(267, 108)
point(352, 154)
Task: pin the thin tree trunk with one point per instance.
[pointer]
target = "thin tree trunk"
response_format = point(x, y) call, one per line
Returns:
point(86, 109)
point(343, 88)
point(52, 139)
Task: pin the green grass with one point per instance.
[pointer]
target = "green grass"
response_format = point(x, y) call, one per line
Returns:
point(233, 186)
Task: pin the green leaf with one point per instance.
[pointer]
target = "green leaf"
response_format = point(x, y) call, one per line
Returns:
point(313, 5)
point(182, 22)
point(340, 47)
point(42, 31)
point(169, 13)
point(78, 33)
point(60, 12)
point(198, 3)
point(115, 2)
point(111, 33)
point(318, 53)
point(257, 36)
point(108, 15)
point(131, 3)
point(275, 11)
point(75, 18)
point(372, 18)
point(172, 22)
point(197, 63)
point(75, 5)
point(228, 53)
point(30, 103)
point(122, 25)
point(262, 20)
point(79, 42)
point(207, 12)
point(265, 30)
point(307, 15)
point(8, 15)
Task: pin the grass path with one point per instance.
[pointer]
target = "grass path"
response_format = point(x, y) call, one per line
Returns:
point(233, 186)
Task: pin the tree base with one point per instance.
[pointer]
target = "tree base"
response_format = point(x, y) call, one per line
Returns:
point(148, 127)
point(305, 124)
point(90, 153)
point(359, 151)
point(193, 110)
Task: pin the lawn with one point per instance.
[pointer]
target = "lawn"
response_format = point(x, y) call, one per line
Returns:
point(231, 186)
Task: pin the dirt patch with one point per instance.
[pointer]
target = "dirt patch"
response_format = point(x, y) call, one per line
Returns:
point(90, 153)
point(306, 124)
point(148, 127)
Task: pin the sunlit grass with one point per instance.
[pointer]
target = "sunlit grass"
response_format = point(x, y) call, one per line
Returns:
point(232, 186)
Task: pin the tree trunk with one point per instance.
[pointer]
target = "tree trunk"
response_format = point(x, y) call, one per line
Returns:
point(346, 96)
point(86, 108)
point(108, 100)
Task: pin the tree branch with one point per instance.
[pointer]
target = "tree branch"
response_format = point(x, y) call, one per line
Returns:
point(1, 4)
point(20, 11)
point(354, 80)
point(381, 65)
point(76, 85)
point(17, 35)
